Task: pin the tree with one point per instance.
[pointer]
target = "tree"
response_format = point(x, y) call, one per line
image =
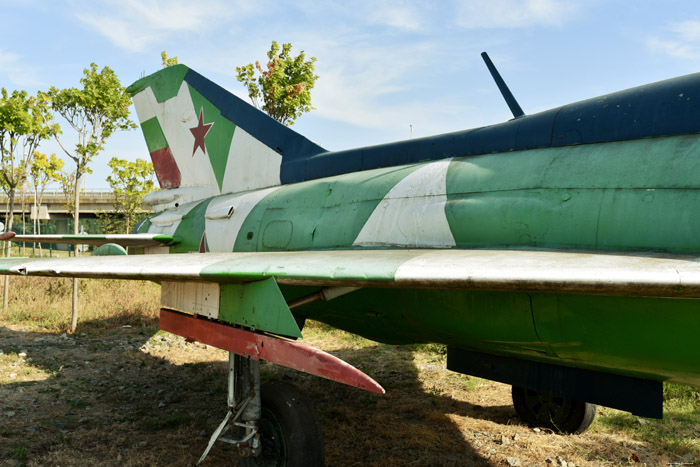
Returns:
point(130, 182)
point(67, 181)
point(24, 122)
point(44, 169)
point(285, 87)
point(167, 61)
point(95, 112)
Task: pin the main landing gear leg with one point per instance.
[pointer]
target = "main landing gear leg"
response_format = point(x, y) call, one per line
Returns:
point(244, 407)
point(275, 422)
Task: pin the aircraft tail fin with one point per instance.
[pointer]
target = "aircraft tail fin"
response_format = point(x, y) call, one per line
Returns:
point(205, 141)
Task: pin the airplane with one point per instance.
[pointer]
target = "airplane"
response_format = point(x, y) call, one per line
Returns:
point(556, 252)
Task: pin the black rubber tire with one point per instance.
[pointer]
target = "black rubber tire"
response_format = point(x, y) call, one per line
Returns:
point(557, 413)
point(291, 435)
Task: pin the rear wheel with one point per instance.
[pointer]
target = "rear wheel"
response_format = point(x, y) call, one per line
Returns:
point(290, 434)
point(558, 413)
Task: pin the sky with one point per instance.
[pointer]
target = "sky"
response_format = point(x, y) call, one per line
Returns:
point(389, 69)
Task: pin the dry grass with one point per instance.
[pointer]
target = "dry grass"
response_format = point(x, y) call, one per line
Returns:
point(121, 393)
point(44, 303)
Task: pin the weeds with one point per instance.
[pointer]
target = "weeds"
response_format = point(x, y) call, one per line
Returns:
point(20, 452)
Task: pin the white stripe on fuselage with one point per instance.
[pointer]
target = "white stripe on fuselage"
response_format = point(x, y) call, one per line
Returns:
point(412, 214)
point(221, 229)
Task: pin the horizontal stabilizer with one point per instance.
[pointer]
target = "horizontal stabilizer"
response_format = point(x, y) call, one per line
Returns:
point(142, 240)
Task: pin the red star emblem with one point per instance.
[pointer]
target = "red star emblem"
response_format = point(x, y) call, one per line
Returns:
point(199, 132)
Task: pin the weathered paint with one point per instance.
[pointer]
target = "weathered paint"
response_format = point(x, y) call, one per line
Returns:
point(326, 213)
point(412, 213)
point(200, 298)
point(191, 228)
point(257, 305)
point(260, 347)
point(226, 214)
point(172, 104)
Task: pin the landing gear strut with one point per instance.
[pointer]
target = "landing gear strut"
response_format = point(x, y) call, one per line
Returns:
point(275, 423)
point(557, 413)
point(244, 407)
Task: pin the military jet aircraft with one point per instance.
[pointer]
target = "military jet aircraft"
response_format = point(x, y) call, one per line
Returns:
point(557, 252)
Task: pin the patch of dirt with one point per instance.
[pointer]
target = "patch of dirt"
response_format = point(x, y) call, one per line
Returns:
point(130, 397)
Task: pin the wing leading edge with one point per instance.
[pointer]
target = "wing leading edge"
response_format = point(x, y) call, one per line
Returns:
point(543, 271)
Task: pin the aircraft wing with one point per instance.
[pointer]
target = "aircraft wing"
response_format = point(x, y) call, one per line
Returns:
point(543, 271)
point(141, 240)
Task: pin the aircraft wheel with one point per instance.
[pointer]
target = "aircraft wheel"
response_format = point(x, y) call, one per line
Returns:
point(289, 429)
point(558, 413)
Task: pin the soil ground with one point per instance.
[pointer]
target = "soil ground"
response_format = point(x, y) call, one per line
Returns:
point(124, 394)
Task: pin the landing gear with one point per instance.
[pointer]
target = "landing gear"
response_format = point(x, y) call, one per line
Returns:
point(290, 433)
point(557, 413)
point(243, 407)
point(275, 423)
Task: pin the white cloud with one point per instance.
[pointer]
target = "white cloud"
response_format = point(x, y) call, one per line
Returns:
point(396, 14)
point(684, 43)
point(373, 87)
point(7, 58)
point(17, 72)
point(135, 24)
point(486, 14)
point(350, 89)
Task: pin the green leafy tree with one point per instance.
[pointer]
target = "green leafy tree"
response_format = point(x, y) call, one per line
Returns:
point(67, 181)
point(24, 122)
point(167, 61)
point(130, 182)
point(95, 111)
point(284, 86)
point(44, 170)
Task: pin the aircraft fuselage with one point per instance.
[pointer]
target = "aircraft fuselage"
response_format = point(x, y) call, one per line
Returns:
point(637, 195)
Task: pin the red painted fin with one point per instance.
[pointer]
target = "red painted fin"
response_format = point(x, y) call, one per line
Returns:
point(166, 168)
point(203, 243)
point(272, 349)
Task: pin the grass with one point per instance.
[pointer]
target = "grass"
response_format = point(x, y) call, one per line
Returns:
point(678, 433)
point(43, 304)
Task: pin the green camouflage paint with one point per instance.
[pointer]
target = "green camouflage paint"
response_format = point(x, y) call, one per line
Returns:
point(573, 197)
point(191, 229)
point(321, 214)
point(153, 133)
point(258, 305)
point(218, 139)
point(164, 84)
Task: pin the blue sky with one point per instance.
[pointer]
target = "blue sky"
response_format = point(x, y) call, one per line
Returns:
point(384, 65)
